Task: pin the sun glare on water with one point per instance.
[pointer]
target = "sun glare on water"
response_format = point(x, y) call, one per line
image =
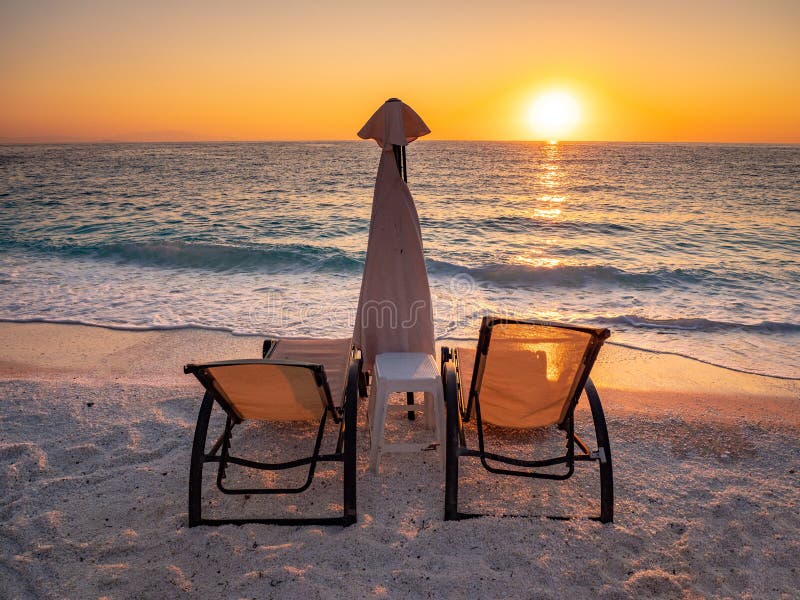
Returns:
point(553, 115)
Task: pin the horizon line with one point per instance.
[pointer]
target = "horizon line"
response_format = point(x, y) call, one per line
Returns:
point(24, 142)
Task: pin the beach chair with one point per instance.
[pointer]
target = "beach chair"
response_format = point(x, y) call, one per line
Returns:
point(297, 380)
point(524, 375)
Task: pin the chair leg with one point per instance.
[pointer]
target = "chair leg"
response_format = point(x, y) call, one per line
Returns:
point(350, 514)
point(350, 425)
point(451, 445)
point(440, 415)
point(198, 459)
point(604, 449)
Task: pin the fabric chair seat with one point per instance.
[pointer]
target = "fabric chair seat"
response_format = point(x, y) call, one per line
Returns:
point(332, 354)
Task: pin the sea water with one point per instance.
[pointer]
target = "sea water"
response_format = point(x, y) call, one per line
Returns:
point(691, 249)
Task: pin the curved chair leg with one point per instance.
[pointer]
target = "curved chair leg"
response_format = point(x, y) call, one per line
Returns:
point(452, 444)
point(604, 450)
point(447, 356)
point(198, 459)
point(350, 425)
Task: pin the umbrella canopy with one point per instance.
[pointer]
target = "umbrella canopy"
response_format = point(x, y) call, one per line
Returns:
point(395, 313)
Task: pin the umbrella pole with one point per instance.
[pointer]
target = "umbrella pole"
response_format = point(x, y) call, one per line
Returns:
point(400, 159)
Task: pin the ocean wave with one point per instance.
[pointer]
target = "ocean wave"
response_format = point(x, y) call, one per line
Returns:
point(577, 276)
point(698, 324)
point(521, 223)
point(295, 257)
point(214, 257)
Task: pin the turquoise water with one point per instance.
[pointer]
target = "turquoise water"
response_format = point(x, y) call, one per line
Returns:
point(677, 248)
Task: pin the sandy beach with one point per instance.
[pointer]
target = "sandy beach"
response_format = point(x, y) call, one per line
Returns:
point(95, 437)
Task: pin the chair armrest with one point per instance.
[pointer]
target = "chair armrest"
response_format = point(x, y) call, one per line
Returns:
point(446, 356)
point(268, 347)
point(352, 387)
point(450, 359)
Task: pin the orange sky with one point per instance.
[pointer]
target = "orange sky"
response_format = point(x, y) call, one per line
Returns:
point(169, 70)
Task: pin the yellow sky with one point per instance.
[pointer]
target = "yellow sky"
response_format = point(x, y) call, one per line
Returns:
point(169, 70)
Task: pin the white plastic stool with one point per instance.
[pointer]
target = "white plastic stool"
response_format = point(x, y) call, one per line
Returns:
point(405, 372)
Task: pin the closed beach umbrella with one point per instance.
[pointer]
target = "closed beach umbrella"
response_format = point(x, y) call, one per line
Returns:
point(395, 313)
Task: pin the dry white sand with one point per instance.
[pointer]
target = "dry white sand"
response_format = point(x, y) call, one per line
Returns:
point(95, 437)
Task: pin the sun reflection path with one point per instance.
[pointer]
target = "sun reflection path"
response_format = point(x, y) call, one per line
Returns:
point(547, 213)
point(540, 261)
point(548, 206)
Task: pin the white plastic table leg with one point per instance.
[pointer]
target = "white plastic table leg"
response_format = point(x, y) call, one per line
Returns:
point(434, 410)
point(371, 409)
point(429, 410)
point(377, 426)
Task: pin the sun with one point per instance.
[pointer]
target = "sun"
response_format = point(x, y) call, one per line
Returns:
point(553, 115)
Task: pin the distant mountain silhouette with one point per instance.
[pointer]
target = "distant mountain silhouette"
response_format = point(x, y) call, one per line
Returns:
point(160, 135)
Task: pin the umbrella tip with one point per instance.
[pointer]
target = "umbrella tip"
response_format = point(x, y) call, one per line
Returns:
point(393, 100)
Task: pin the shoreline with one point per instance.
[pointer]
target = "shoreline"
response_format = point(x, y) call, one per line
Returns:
point(630, 381)
point(102, 354)
point(97, 428)
point(439, 342)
